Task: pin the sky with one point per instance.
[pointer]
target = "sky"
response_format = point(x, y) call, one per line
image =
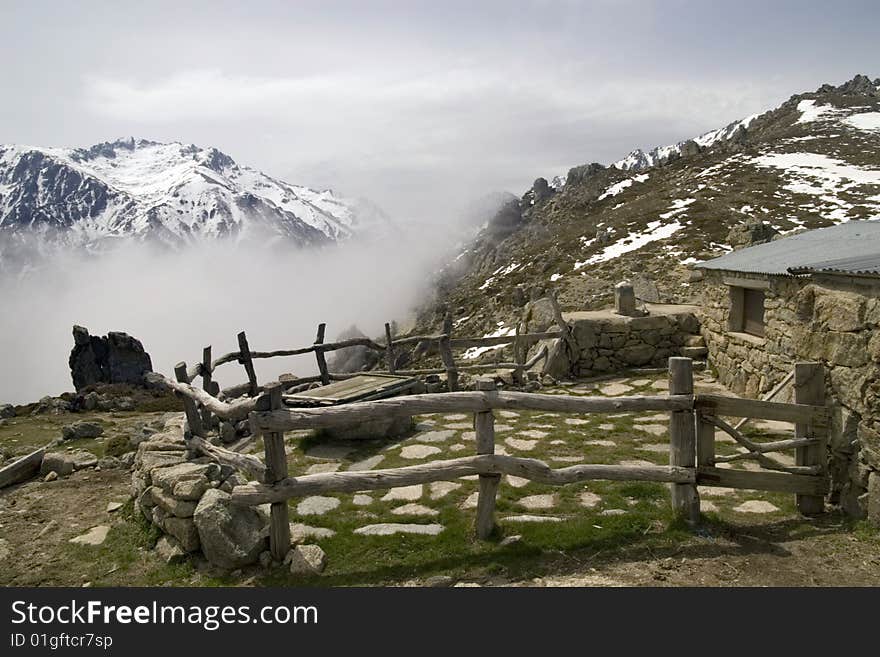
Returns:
point(418, 106)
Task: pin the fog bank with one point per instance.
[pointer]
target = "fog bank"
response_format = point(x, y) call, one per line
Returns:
point(177, 302)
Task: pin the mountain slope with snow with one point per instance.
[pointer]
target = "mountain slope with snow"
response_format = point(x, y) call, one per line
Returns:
point(172, 193)
point(813, 161)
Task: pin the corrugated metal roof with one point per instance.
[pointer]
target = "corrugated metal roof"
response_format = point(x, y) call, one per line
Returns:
point(867, 265)
point(852, 240)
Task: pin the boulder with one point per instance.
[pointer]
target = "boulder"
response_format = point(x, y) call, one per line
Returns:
point(306, 560)
point(558, 363)
point(66, 462)
point(169, 550)
point(170, 477)
point(115, 358)
point(538, 315)
point(751, 232)
point(231, 536)
point(81, 430)
point(7, 411)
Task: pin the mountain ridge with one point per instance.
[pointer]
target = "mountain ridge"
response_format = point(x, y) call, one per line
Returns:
point(813, 161)
point(173, 193)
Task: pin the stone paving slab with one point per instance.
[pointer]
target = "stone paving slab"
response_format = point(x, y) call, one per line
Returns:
point(756, 506)
point(316, 505)
point(318, 468)
point(95, 536)
point(418, 451)
point(589, 499)
point(389, 528)
point(537, 502)
point(413, 509)
point(367, 463)
point(404, 493)
point(522, 445)
point(440, 489)
point(531, 518)
point(434, 436)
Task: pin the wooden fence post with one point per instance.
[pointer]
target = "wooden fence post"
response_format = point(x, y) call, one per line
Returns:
point(276, 470)
point(563, 325)
point(207, 382)
point(389, 349)
point(682, 440)
point(449, 363)
point(705, 441)
point(319, 356)
point(248, 362)
point(518, 357)
point(189, 406)
point(484, 424)
point(809, 388)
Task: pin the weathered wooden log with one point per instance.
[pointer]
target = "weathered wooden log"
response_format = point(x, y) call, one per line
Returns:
point(327, 346)
point(233, 412)
point(770, 464)
point(683, 440)
point(525, 338)
point(389, 349)
point(324, 373)
point(247, 360)
point(705, 441)
point(771, 481)
point(22, 469)
point(518, 357)
point(809, 388)
point(193, 419)
point(207, 383)
point(276, 470)
point(484, 426)
point(415, 339)
point(250, 465)
point(193, 372)
point(447, 470)
point(738, 407)
point(757, 450)
point(769, 396)
point(459, 402)
point(449, 365)
point(564, 328)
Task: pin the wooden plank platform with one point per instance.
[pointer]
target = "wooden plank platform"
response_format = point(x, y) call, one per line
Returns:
point(364, 387)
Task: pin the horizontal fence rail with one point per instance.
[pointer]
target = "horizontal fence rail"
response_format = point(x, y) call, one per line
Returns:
point(289, 419)
point(466, 466)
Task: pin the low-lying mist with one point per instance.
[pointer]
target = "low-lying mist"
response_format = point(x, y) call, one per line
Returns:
point(178, 301)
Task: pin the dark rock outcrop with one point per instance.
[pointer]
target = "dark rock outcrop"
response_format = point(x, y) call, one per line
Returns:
point(115, 358)
point(751, 232)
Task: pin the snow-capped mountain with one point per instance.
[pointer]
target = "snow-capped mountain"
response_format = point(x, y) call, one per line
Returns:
point(639, 160)
point(174, 193)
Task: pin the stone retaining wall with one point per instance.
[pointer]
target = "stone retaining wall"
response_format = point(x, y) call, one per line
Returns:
point(608, 342)
point(188, 499)
point(828, 319)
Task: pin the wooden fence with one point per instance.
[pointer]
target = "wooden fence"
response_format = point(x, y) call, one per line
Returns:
point(446, 344)
point(694, 420)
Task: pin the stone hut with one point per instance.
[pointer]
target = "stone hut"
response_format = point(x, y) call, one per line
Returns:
point(814, 296)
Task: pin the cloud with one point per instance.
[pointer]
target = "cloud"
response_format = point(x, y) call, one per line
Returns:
point(176, 302)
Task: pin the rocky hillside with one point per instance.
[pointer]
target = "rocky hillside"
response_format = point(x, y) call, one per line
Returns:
point(172, 193)
point(811, 162)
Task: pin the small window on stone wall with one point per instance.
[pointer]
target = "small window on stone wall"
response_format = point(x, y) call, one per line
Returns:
point(747, 310)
